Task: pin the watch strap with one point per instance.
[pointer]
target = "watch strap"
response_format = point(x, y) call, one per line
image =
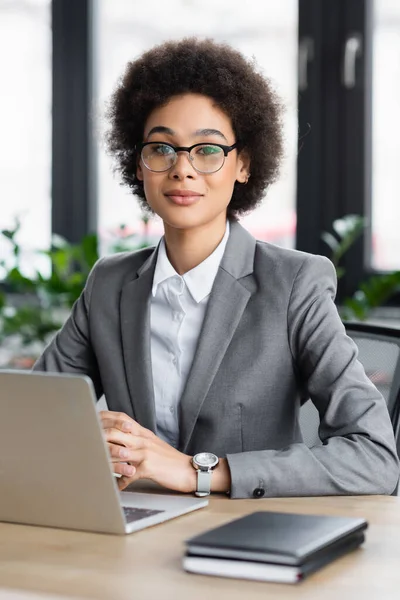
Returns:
point(203, 482)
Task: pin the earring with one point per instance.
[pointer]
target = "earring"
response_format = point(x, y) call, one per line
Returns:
point(247, 178)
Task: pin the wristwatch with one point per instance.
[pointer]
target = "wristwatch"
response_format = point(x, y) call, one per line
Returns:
point(204, 463)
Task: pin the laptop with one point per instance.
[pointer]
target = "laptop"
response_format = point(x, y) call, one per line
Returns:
point(55, 469)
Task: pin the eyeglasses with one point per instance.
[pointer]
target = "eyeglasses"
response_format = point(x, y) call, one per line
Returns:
point(204, 158)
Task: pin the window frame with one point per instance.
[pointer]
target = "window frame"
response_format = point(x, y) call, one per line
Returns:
point(334, 163)
point(335, 151)
point(74, 178)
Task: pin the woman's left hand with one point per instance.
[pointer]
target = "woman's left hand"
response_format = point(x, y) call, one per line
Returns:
point(146, 455)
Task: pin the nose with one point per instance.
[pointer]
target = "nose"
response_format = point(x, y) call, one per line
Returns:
point(183, 167)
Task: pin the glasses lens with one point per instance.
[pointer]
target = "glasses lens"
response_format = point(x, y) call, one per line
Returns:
point(207, 158)
point(158, 157)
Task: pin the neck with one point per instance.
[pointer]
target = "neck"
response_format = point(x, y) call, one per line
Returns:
point(187, 248)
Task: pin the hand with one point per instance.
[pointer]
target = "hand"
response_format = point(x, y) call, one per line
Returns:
point(146, 455)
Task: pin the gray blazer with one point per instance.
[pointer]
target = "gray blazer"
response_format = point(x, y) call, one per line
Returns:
point(271, 338)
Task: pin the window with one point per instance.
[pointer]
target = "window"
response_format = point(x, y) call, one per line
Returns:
point(25, 117)
point(267, 30)
point(385, 210)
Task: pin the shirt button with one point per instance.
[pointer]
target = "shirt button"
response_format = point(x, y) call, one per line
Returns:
point(176, 316)
point(258, 493)
point(171, 409)
point(174, 360)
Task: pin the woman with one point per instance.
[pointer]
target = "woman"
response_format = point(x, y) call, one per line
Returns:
point(205, 346)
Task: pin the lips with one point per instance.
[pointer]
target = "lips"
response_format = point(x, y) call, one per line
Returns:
point(183, 197)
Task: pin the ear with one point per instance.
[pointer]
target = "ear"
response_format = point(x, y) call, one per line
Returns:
point(139, 171)
point(243, 167)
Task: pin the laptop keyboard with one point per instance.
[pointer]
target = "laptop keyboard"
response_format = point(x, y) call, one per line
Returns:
point(135, 514)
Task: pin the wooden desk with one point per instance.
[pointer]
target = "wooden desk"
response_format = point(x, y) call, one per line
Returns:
point(147, 564)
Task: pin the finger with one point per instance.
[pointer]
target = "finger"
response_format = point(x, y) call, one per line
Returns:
point(126, 426)
point(122, 453)
point(114, 414)
point(110, 420)
point(121, 421)
point(115, 436)
point(124, 469)
point(125, 480)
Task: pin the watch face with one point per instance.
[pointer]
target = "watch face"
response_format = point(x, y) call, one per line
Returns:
point(206, 459)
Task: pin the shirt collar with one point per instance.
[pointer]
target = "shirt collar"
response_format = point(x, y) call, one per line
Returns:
point(199, 280)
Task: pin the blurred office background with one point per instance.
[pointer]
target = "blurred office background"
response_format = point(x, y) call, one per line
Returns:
point(335, 63)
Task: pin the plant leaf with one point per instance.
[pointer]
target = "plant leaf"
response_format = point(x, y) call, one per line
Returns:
point(349, 229)
point(340, 272)
point(330, 240)
point(89, 250)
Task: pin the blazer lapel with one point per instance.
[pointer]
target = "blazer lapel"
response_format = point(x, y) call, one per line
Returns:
point(227, 302)
point(135, 334)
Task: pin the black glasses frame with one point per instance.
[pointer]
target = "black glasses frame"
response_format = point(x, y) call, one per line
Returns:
point(188, 149)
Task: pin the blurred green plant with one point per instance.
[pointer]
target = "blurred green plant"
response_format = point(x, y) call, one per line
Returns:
point(346, 231)
point(373, 292)
point(33, 308)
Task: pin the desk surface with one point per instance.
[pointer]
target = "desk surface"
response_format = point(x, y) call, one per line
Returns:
point(147, 564)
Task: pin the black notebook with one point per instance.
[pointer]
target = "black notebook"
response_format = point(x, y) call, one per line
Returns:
point(272, 546)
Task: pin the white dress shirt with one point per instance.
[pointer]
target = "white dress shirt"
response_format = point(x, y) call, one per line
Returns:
point(178, 306)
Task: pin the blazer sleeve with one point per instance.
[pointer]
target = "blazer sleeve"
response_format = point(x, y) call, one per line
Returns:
point(70, 350)
point(358, 454)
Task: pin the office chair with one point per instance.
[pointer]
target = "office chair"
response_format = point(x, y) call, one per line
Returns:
point(379, 353)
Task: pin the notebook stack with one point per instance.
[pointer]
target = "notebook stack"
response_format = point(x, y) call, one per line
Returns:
point(272, 546)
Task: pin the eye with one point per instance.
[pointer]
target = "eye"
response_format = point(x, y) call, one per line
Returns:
point(208, 150)
point(162, 149)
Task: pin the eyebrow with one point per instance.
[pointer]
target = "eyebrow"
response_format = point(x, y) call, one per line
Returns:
point(199, 132)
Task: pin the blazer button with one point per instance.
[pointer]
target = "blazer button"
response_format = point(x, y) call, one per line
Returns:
point(258, 493)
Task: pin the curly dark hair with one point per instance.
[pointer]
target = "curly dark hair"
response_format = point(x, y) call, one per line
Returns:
point(211, 69)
